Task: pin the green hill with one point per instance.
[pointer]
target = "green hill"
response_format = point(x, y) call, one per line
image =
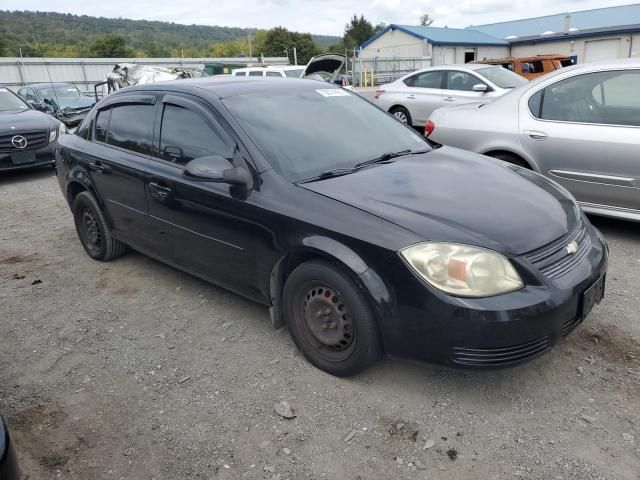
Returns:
point(60, 34)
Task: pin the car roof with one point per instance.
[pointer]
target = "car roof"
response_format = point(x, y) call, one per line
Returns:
point(49, 84)
point(230, 86)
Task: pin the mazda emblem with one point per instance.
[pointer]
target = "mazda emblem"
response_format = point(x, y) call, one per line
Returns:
point(572, 248)
point(19, 142)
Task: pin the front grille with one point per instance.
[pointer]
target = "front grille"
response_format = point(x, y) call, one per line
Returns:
point(554, 260)
point(496, 357)
point(35, 139)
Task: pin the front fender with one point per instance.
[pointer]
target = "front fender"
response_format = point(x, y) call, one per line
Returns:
point(323, 247)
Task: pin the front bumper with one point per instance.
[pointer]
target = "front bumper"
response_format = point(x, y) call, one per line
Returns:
point(43, 156)
point(498, 331)
point(8, 462)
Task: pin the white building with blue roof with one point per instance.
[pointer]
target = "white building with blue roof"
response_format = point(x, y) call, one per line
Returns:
point(589, 35)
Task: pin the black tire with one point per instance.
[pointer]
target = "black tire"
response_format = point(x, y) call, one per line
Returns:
point(330, 319)
point(402, 114)
point(510, 158)
point(93, 231)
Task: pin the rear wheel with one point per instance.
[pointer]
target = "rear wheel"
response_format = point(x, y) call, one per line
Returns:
point(330, 320)
point(510, 158)
point(402, 114)
point(93, 231)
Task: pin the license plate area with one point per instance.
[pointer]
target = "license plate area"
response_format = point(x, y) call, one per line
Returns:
point(592, 296)
point(23, 157)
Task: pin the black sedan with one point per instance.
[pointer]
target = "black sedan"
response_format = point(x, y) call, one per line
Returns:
point(28, 137)
point(358, 236)
point(8, 463)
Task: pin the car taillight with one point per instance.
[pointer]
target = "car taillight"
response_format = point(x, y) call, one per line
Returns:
point(379, 92)
point(428, 128)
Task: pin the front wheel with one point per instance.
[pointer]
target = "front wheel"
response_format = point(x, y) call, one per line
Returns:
point(330, 319)
point(93, 231)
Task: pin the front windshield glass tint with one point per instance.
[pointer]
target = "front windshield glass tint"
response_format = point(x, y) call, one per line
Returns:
point(10, 102)
point(305, 132)
point(59, 91)
point(502, 77)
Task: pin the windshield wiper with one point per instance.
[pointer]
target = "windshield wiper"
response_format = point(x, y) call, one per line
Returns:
point(385, 157)
point(337, 172)
point(334, 172)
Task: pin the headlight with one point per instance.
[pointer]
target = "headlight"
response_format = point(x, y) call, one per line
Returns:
point(61, 130)
point(462, 270)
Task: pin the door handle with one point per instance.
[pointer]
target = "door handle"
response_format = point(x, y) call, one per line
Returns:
point(97, 166)
point(449, 99)
point(411, 97)
point(535, 135)
point(160, 190)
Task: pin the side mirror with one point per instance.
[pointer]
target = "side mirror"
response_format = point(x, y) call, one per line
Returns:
point(217, 169)
point(480, 87)
point(36, 105)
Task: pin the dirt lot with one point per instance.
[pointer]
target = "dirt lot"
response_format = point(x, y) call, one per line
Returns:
point(133, 370)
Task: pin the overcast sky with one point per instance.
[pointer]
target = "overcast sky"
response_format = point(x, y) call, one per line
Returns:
point(315, 16)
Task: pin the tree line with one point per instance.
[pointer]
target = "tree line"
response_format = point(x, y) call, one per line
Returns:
point(35, 34)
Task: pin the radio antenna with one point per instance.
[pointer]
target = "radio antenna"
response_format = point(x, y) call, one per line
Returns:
point(55, 94)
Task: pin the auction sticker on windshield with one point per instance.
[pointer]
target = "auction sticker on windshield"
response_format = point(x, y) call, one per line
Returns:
point(333, 92)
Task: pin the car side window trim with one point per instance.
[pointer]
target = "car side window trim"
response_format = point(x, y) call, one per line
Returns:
point(128, 99)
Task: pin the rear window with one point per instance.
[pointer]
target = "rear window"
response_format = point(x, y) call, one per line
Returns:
point(130, 127)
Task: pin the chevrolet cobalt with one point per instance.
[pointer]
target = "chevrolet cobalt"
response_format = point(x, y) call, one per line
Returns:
point(358, 236)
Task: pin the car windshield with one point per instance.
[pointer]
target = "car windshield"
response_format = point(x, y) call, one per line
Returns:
point(306, 132)
point(294, 73)
point(10, 102)
point(502, 77)
point(59, 91)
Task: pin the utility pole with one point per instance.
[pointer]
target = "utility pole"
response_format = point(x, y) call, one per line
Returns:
point(250, 52)
point(295, 56)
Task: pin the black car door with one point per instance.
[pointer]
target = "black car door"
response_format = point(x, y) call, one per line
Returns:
point(201, 226)
point(117, 159)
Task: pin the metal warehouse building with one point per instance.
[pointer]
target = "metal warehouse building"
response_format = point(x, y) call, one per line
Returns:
point(590, 35)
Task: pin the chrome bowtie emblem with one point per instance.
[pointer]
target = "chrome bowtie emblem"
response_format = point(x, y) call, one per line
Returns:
point(572, 247)
point(19, 141)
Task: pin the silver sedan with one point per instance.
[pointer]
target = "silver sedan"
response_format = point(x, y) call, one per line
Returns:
point(413, 97)
point(579, 126)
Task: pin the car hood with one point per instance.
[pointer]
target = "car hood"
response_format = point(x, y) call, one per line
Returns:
point(329, 63)
point(26, 120)
point(456, 196)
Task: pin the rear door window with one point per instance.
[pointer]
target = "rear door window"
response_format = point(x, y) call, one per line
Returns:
point(185, 135)
point(131, 127)
point(426, 79)
point(102, 124)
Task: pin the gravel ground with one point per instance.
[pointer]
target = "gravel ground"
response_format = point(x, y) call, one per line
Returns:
point(134, 370)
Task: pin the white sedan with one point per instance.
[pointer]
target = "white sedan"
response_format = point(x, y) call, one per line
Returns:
point(415, 96)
